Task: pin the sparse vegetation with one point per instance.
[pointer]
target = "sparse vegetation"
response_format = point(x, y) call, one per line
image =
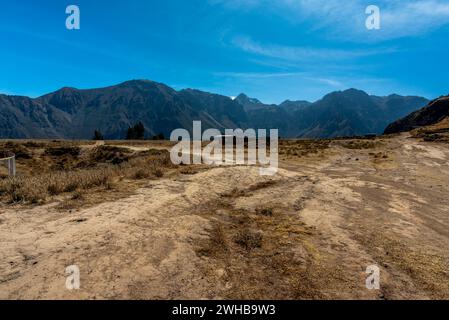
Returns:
point(264, 211)
point(248, 239)
point(159, 136)
point(37, 189)
point(430, 136)
point(20, 151)
point(137, 132)
point(303, 234)
point(73, 171)
point(302, 148)
point(98, 135)
point(63, 151)
point(110, 154)
point(359, 144)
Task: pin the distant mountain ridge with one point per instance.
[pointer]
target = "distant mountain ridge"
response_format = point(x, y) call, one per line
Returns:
point(435, 112)
point(71, 113)
point(341, 113)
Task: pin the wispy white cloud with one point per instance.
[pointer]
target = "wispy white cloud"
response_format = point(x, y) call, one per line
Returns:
point(290, 53)
point(258, 75)
point(346, 19)
point(409, 18)
point(330, 82)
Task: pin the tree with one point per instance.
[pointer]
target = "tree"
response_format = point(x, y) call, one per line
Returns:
point(137, 132)
point(98, 135)
point(160, 136)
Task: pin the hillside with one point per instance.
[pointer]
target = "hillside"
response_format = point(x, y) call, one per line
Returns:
point(435, 112)
point(343, 113)
point(71, 113)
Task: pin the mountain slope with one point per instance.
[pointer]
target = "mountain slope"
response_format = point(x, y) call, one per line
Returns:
point(353, 112)
point(435, 112)
point(71, 113)
point(74, 114)
point(22, 117)
point(342, 113)
point(267, 116)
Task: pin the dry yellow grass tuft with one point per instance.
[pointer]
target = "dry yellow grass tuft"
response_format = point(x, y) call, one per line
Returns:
point(63, 169)
point(301, 148)
point(37, 188)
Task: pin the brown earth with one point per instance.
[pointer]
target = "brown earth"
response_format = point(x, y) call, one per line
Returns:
point(335, 208)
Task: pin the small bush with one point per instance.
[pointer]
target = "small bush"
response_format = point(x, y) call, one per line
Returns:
point(141, 174)
point(18, 150)
point(157, 172)
point(264, 212)
point(22, 190)
point(110, 154)
point(77, 196)
point(359, 144)
point(248, 239)
point(431, 137)
point(63, 151)
point(53, 189)
point(71, 186)
point(34, 144)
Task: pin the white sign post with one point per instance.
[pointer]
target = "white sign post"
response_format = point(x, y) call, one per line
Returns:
point(11, 164)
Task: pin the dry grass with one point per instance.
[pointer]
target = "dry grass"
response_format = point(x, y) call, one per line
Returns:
point(248, 239)
point(38, 188)
point(359, 144)
point(265, 212)
point(55, 169)
point(423, 265)
point(256, 250)
point(430, 136)
point(257, 254)
point(302, 148)
point(438, 132)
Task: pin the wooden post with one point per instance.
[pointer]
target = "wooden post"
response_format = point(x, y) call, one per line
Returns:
point(12, 166)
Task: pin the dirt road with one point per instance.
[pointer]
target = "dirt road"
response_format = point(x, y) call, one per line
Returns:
point(309, 232)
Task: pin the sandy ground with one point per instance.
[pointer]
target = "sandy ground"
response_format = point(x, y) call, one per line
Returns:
point(330, 217)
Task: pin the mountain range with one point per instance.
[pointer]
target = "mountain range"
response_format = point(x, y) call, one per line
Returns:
point(71, 113)
point(435, 112)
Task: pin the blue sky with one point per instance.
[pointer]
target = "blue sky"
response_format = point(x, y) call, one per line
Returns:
point(269, 49)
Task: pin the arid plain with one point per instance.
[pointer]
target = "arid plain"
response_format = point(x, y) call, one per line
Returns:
point(139, 227)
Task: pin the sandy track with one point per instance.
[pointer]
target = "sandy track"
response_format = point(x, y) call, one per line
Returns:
point(333, 217)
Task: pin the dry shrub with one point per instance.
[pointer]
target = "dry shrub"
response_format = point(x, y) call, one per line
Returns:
point(63, 151)
point(161, 160)
point(77, 196)
point(302, 147)
point(34, 145)
point(110, 154)
point(20, 151)
point(141, 173)
point(248, 239)
point(359, 144)
point(149, 167)
point(22, 190)
point(157, 172)
point(188, 171)
point(156, 152)
point(268, 212)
